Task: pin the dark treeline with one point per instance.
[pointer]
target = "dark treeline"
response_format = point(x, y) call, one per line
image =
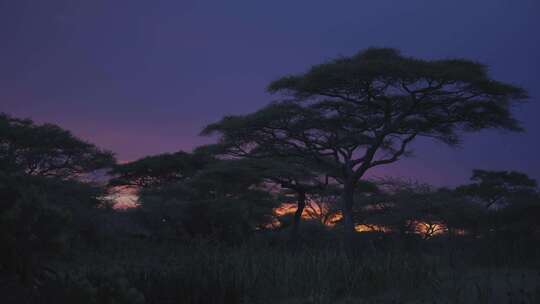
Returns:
point(279, 209)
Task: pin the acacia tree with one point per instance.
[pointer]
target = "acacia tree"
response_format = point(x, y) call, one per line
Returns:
point(493, 188)
point(355, 113)
point(289, 173)
point(197, 192)
point(43, 202)
point(47, 150)
point(226, 199)
point(153, 177)
point(158, 170)
point(509, 198)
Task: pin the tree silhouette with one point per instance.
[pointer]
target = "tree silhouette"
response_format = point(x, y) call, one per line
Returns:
point(355, 113)
point(43, 201)
point(47, 150)
point(510, 199)
point(500, 188)
point(292, 174)
point(226, 199)
point(158, 170)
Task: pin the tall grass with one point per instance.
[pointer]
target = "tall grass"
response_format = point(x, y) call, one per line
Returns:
point(137, 271)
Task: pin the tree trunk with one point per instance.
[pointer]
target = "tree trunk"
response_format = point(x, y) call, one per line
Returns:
point(301, 205)
point(347, 200)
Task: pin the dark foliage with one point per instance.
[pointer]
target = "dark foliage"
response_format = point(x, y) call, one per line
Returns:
point(47, 150)
point(155, 171)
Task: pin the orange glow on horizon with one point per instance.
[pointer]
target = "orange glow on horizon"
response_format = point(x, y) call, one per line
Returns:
point(124, 198)
point(371, 228)
point(312, 211)
point(287, 208)
point(423, 228)
point(429, 229)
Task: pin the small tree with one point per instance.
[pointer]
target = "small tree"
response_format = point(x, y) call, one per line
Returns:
point(198, 193)
point(158, 170)
point(160, 182)
point(355, 113)
point(510, 199)
point(292, 174)
point(227, 200)
point(499, 188)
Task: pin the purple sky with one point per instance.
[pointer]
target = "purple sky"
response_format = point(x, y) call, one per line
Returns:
point(143, 77)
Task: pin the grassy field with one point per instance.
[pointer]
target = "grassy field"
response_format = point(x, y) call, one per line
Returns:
point(261, 271)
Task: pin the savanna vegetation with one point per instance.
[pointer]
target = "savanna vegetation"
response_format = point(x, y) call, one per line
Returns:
point(280, 209)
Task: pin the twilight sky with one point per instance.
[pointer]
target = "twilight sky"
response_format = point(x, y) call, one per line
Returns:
point(143, 77)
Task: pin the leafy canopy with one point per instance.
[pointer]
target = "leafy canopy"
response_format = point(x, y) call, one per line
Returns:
point(500, 188)
point(154, 171)
point(47, 150)
point(354, 113)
